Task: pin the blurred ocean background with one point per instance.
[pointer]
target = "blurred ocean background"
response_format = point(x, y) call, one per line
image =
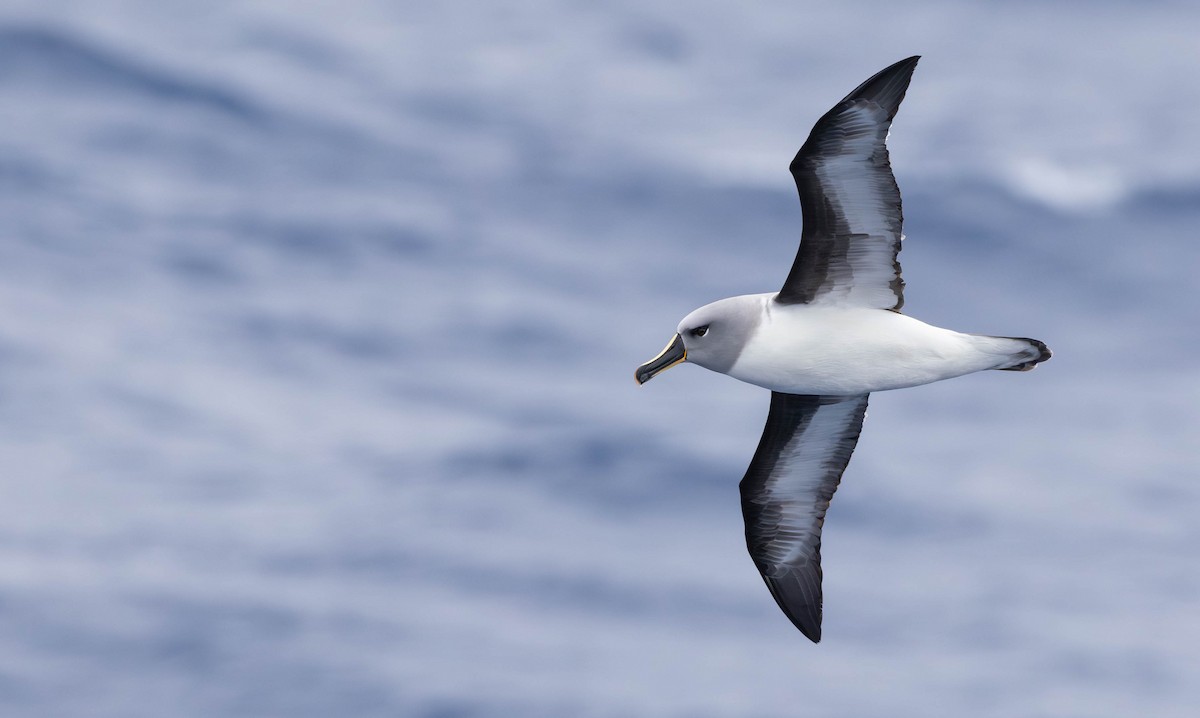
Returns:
point(318, 324)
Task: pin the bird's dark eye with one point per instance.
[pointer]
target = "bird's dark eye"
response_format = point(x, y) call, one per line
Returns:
point(700, 331)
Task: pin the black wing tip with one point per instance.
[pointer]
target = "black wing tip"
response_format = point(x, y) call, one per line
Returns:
point(802, 607)
point(886, 88)
point(811, 631)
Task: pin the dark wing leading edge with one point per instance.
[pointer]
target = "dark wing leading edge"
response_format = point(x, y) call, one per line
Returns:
point(850, 202)
point(805, 447)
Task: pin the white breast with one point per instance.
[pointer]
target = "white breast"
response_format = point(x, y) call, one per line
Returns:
point(805, 349)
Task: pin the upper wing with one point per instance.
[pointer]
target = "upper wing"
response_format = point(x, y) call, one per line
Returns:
point(805, 447)
point(850, 201)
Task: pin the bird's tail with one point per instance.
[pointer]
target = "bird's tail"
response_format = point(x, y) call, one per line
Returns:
point(1025, 353)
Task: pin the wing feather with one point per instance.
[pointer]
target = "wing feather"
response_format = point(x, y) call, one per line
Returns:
point(804, 449)
point(850, 201)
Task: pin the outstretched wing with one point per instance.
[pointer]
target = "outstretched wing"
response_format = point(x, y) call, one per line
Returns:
point(850, 202)
point(805, 447)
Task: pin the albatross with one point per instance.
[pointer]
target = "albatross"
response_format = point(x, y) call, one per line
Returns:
point(827, 339)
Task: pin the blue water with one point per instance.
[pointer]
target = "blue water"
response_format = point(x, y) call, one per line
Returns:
point(317, 330)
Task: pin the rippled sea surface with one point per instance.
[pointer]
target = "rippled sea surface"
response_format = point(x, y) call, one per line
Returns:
point(317, 331)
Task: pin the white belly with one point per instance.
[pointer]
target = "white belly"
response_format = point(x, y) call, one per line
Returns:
point(801, 349)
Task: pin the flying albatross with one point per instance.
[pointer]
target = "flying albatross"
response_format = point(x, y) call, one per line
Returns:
point(832, 335)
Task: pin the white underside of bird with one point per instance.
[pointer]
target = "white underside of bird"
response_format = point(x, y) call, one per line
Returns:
point(812, 349)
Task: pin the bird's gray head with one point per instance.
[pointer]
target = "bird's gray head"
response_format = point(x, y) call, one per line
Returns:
point(712, 336)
